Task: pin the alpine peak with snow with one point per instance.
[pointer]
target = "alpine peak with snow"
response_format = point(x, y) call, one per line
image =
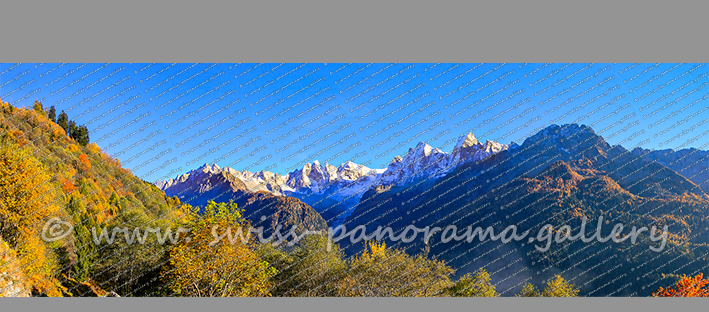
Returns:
point(336, 191)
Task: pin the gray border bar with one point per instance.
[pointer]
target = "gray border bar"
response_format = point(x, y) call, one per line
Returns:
point(354, 31)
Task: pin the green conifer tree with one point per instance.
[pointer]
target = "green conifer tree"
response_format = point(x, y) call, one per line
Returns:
point(82, 135)
point(63, 121)
point(85, 247)
point(52, 114)
point(73, 130)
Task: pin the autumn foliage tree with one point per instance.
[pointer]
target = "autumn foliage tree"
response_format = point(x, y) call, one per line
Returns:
point(27, 200)
point(38, 107)
point(227, 268)
point(391, 272)
point(695, 286)
point(84, 165)
point(556, 287)
point(474, 285)
point(85, 247)
point(67, 186)
point(311, 269)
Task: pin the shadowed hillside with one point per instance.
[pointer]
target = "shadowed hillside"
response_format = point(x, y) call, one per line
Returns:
point(557, 177)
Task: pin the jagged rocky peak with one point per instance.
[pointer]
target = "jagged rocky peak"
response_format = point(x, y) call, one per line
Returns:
point(470, 141)
point(306, 167)
point(352, 171)
point(318, 172)
point(424, 161)
point(466, 141)
point(349, 165)
point(421, 150)
point(266, 175)
point(421, 161)
point(205, 168)
point(493, 147)
point(470, 149)
point(571, 140)
point(213, 168)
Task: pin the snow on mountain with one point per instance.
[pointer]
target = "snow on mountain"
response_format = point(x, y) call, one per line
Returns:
point(470, 149)
point(423, 161)
point(420, 162)
point(336, 191)
point(465, 141)
point(331, 190)
point(312, 178)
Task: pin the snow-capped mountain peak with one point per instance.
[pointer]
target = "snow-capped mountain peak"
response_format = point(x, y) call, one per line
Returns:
point(422, 149)
point(325, 186)
point(465, 141)
point(424, 161)
point(421, 161)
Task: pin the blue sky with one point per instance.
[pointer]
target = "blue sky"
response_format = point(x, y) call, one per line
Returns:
point(162, 120)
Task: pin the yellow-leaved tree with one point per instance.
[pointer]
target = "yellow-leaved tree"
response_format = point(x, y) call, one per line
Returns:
point(478, 284)
point(556, 287)
point(199, 267)
point(27, 199)
point(391, 272)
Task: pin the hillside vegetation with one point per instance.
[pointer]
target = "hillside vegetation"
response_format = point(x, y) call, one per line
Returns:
point(46, 173)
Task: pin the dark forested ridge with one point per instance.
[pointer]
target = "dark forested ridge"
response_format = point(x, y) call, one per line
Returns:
point(691, 162)
point(557, 176)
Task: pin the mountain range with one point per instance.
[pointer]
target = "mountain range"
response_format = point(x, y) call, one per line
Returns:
point(333, 191)
point(556, 176)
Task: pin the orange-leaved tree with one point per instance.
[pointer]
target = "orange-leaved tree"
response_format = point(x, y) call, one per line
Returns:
point(686, 287)
point(27, 200)
point(84, 165)
point(67, 186)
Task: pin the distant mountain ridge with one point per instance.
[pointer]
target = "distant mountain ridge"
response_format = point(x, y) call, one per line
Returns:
point(335, 191)
point(691, 162)
point(261, 207)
